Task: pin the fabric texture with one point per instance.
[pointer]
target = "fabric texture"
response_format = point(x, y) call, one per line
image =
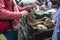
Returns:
point(56, 33)
point(6, 12)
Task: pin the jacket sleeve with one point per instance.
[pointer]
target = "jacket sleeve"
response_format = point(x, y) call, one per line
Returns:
point(6, 14)
point(25, 8)
point(37, 3)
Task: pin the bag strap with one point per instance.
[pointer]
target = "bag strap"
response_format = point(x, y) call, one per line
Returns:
point(12, 6)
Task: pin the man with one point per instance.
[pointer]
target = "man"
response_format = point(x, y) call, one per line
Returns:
point(56, 16)
point(49, 5)
point(10, 14)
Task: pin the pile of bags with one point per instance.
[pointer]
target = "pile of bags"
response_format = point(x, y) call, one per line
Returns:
point(45, 22)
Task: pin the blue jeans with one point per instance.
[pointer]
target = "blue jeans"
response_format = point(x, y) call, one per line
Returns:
point(11, 35)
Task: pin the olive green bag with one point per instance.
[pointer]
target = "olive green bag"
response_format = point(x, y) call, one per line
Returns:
point(2, 37)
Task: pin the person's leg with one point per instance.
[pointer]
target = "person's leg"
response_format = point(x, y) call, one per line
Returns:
point(11, 35)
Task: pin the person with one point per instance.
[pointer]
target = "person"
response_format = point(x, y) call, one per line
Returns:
point(56, 33)
point(49, 5)
point(10, 14)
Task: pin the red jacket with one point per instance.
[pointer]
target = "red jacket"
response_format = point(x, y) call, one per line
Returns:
point(6, 12)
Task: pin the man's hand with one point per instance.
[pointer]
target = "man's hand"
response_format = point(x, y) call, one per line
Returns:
point(24, 13)
point(33, 5)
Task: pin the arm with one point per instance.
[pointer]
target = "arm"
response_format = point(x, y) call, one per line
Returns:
point(37, 3)
point(25, 8)
point(29, 6)
point(6, 14)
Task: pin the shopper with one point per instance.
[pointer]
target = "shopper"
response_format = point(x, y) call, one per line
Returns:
point(10, 14)
point(49, 5)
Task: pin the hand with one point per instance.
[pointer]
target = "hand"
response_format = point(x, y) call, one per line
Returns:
point(33, 5)
point(24, 13)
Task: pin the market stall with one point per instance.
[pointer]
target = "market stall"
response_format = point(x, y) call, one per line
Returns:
point(40, 25)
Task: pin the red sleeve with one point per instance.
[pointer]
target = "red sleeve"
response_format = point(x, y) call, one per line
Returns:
point(37, 3)
point(6, 14)
point(25, 8)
